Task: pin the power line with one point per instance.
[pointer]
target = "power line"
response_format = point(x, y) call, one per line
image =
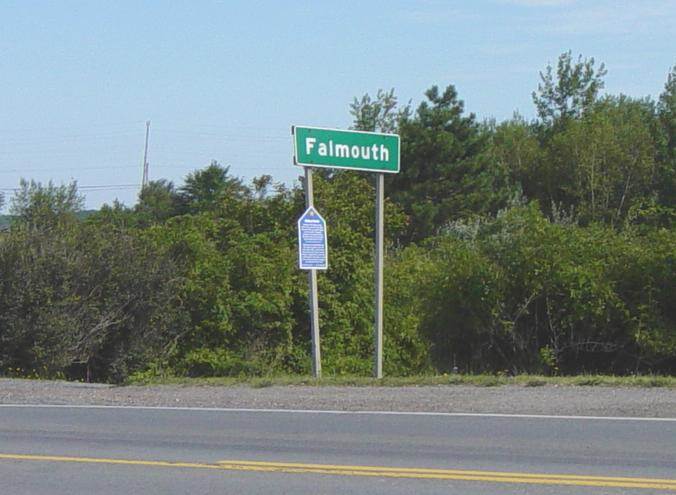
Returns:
point(101, 187)
point(71, 169)
point(186, 166)
point(70, 128)
point(226, 135)
point(59, 138)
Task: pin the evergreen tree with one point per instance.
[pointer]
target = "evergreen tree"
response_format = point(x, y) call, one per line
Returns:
point(445, 173)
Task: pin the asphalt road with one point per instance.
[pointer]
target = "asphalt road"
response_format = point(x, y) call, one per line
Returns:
point(71, 450)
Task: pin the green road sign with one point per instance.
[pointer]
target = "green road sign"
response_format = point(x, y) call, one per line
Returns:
point(354, 150)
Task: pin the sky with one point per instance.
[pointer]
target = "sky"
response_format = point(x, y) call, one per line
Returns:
point(225, 80)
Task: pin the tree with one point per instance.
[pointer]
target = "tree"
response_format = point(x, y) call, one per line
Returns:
point(666, 109)
point(157, 202)
point(378, 115)
point(261, 186)
point(515, 149)
point(604, 162)
point(44, 207)
point(571, 91)
point(444, 175)
point(206, 189)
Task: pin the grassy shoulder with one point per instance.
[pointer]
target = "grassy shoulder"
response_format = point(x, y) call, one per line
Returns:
point(645, 381)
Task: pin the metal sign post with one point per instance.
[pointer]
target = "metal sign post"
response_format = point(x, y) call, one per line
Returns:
point(312, 282)
point(379, 255)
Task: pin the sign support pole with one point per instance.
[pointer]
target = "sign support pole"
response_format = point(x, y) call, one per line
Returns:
point(379, 255)
point(312, 295)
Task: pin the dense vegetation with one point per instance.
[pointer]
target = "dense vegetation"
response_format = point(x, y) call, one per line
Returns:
point(543, 246)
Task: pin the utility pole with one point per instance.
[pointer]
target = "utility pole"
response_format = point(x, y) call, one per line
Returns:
point(144, 182)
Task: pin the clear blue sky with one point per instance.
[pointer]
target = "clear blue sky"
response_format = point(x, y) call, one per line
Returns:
point(224, 80)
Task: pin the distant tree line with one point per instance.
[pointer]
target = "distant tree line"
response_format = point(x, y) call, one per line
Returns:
point(541, 246)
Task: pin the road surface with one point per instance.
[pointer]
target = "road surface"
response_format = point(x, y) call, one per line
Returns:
point(113, 450)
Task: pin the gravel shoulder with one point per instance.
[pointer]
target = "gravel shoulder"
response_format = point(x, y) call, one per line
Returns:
point(509, 399)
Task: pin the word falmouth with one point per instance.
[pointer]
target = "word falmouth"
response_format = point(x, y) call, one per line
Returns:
point(331, 149)
point(355, 150)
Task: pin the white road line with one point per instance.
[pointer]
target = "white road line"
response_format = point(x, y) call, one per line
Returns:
point(337, 412)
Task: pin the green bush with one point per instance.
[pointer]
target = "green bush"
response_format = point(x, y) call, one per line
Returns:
point(216, 362)
point(84, 302)
point(525, 294)
point(205, 283)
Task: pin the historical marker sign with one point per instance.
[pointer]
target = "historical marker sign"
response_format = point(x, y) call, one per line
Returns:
point(312, 245)
point(354, 150)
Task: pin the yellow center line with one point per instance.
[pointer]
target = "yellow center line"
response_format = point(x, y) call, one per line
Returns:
point(438, 471)
point(455, 474)
point(374, 471)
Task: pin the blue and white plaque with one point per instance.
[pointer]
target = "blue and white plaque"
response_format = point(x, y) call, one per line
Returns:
point(312, 245)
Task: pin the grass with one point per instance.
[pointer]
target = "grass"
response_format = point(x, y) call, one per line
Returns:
point(645, 381)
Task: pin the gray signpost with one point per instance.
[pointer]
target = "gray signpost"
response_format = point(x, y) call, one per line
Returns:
point(309, 259)
point(352, 150)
